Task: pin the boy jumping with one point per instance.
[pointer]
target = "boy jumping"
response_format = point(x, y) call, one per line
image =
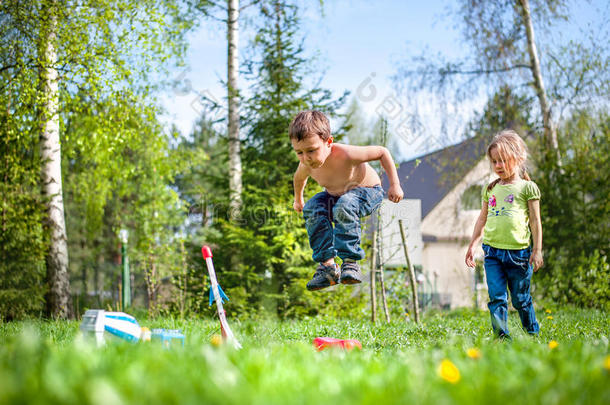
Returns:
point(352, 190)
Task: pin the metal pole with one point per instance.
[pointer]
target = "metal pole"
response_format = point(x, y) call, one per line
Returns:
point(411, 272)
point(126, 284)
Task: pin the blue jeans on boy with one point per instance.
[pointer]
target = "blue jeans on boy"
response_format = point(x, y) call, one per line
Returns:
point(345, 211)
point(509, 267)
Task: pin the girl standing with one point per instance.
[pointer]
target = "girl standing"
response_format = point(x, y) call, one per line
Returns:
point(510, 216)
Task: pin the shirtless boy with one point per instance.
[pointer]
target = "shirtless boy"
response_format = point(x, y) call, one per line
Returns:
point(352, 191)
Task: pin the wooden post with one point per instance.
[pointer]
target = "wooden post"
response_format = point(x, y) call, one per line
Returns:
point(411, 272)
point(380, 265)
point(373, 267)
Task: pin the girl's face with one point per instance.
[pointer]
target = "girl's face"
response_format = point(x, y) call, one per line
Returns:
point(505, 169)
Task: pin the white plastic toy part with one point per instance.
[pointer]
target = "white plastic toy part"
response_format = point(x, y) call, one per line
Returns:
point(116, 324)
point(93, 324)
point(123, 326)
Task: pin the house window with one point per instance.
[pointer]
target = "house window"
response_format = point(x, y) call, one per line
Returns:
point(471, 199)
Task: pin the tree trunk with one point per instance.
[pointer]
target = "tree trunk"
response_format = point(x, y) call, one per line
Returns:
point(151, 287)
point(58, 299)
point(235, 183)
point(550, 133)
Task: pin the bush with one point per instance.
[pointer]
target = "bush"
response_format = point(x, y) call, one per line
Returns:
point(575, 213)
point(582, 280)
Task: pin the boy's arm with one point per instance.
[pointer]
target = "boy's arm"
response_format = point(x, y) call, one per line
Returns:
point(536, 259)
point(476, 236)
point(299, 181)
point(369, 153)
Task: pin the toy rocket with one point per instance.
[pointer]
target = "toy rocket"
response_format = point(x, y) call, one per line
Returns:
point(218, 295)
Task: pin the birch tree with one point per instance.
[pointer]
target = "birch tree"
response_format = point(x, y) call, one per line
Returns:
point(232, 9)
point(502, 51)
point(235, 183)
point(58, 301)
point(82, 52)
point(550, 133)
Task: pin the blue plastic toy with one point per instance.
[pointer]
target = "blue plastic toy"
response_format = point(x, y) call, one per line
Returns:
point(167, 336)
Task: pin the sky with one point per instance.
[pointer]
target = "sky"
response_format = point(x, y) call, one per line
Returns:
point(358, 46)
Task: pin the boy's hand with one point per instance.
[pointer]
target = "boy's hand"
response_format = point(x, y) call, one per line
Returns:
point(298, 205)
point(536, 260)
point(395, 193)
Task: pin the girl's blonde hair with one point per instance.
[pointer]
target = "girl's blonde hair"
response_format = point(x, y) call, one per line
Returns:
point(510, 147)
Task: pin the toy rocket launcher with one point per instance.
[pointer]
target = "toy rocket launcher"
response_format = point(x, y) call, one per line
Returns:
point(217, 295)
point(321, 343)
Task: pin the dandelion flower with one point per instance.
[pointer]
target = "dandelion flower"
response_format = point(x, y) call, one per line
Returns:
point(473, 353)
point(607, 362)
point(553, 344)
point(216, 340)
point(549, 317)
point(548, 311)
point(448, 371)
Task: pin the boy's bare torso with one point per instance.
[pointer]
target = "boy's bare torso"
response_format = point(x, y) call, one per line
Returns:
point(339, 173)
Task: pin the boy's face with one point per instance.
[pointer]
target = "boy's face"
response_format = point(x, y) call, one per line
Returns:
point(313, 150)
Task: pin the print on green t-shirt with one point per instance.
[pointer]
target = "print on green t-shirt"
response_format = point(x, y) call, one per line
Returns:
point(507, 225)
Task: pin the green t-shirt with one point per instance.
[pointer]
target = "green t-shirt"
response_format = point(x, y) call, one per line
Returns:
point(507, 225)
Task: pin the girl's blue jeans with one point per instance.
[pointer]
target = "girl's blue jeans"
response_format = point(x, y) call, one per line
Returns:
point(343, 240)
point(504, 267)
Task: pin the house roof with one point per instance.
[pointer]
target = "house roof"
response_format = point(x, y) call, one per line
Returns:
point(438, 172)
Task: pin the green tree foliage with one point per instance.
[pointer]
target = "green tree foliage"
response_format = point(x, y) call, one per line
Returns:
point(497, 54)
point(575, 209)
point(505, 109)
point(23, 242)
point(357, 126)
point(359, 130)
point(203, 185)
point(122, 182)
point(111, 56)
point(263, 259)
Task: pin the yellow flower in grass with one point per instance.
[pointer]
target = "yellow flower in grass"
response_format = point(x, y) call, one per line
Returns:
point(607, 362)
point(216, 340)
point(548, 311)
point(553, 344)
point(474, 353)
point(448, 371)
point(550, 317)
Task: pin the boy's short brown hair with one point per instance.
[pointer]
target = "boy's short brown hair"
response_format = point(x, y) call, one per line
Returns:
point(309, 123)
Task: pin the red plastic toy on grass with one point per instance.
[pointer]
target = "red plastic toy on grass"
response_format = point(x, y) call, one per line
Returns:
point(322, 343)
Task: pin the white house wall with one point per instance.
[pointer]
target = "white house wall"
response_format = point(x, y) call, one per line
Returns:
point(392, 249)
point(447, 230)
point(447, 274)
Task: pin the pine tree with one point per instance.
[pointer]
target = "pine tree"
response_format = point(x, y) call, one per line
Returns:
point(270, 240)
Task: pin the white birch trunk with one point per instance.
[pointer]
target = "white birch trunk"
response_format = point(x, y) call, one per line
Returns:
point(57, 257)
point(550, 133)
point(235, 172)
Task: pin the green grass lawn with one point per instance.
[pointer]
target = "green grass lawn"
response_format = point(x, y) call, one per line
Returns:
point(47, 362)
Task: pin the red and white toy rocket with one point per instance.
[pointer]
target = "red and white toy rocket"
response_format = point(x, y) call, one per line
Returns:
point(218, 295)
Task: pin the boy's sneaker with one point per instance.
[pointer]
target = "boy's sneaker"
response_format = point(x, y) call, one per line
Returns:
point(325, 276)
point(350, 273)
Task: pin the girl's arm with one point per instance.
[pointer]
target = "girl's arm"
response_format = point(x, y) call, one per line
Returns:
point(477, 234)
point(536, 259)
point(299, 181)
point(360, 154)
